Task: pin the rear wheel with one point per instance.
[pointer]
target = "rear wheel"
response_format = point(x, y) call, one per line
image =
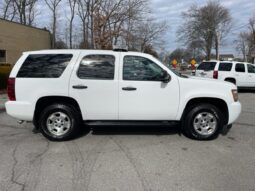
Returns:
point(59, 122)
point(203, 122)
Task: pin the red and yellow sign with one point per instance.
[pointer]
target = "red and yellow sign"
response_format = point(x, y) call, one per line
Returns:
point(174, 63)
point(193, 62)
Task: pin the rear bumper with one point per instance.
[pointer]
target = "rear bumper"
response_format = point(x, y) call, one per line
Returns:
point(234, 112)
point(20, 110)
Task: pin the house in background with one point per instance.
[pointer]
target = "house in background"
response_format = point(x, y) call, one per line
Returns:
point(16, 38)
point(227, 57)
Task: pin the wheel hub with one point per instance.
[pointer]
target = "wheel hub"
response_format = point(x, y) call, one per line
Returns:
point(205, 123)
point(58, 123)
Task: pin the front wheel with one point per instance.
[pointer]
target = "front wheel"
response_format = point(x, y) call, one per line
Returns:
point(203, 122)
point(59, 122)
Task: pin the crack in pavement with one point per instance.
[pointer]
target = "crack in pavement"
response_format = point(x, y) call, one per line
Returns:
point(11, 126)
point(244, 124)
point(127, 153)
point(83, 168)
point(9, 135)
point(13, 178)
point(33, 175)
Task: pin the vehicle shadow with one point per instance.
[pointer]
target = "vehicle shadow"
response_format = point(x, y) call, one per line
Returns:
point(136, 130)
point(246, 90)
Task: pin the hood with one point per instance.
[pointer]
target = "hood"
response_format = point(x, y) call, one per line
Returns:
point(210, 81)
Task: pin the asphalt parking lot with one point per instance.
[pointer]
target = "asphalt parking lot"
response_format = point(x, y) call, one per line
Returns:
point(137, 158)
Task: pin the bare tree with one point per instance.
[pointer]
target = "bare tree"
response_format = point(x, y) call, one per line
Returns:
point(72, 6)
point(252, 27)
point(209, 24)
point(243, 44)
point(112, 19)
point(149, 31)
point(53, 5)
point(8, 10)
point(83, 13)
point(26, 11)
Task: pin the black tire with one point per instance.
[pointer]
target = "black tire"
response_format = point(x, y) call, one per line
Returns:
point(188, 123)
point(73, 116)
point(233, 81)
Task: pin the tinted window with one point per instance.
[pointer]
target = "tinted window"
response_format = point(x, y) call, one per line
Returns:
point(44, 65)
point(225, 66)
point(207, 66)
point(251, 68)
point(141, 69)
point(97, 67)
point(240, 68)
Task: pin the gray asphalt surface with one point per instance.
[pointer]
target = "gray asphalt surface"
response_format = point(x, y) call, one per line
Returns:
point(130, 159)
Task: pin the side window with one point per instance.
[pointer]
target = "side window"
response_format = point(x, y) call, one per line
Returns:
point(240, 68)
point(207, 66)
point(138, 68)
point(44, 65)
point(225, 66)
point(251, 68)
point(97, 66)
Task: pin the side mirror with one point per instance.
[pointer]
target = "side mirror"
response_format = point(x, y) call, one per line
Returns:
point(165, 77)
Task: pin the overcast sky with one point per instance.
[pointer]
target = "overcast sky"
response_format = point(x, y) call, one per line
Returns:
point(170, 10)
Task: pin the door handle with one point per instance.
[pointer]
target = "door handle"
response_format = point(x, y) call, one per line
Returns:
point(79, 87)
point(129, 89)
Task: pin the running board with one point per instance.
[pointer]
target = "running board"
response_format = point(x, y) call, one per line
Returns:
point(131, 123)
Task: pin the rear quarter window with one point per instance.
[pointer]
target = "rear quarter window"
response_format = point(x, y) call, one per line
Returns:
point(44, 65)
point(206, 66)
point(225, 67)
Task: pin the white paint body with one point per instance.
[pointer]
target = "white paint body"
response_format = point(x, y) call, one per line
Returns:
point(105, 99)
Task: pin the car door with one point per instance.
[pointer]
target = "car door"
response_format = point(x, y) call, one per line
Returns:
point(251, 75)
point(241, 75)
point(94, 84)
point(142, 96)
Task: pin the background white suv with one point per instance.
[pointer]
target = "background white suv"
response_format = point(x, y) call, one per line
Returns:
point(240, 73)
point(59, 90)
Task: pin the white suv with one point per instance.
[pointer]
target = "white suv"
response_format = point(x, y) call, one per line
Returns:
point(61, 89)
point(240, 73)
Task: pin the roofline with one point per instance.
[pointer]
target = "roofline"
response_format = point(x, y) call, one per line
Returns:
point(14, 22)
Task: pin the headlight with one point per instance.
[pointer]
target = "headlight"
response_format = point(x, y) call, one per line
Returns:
point(235, 95)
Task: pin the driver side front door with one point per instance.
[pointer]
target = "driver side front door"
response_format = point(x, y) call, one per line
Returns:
point(142, 96)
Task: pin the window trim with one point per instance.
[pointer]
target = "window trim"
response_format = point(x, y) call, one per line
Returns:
point(96, 78)
point(141, 80)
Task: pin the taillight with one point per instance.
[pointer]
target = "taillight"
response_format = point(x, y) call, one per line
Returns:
point(11, 89)
point(215, 74)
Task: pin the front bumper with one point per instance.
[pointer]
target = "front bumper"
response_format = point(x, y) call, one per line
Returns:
point(234, 111)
